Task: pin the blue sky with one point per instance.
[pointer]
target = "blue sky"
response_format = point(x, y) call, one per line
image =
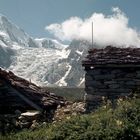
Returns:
point(34, 15)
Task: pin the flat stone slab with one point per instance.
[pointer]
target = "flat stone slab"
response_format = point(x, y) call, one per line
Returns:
point(30, 114)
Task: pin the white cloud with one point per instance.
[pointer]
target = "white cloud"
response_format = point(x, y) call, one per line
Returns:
point(107, 29)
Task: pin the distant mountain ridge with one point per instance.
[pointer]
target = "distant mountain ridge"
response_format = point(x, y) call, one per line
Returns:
point(45, 61)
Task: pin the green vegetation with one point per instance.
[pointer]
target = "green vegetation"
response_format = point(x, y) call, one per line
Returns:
point(121, 123)
point(70, 94)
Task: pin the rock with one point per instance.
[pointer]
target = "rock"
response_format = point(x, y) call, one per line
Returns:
point(53, 94)
point(114, 86)
point(94, 72)
point(93, 83)
point(30, 114)
point(34, 125)
point(18, 112)
point(25, 124)
point(88, 78)
point(104, 77)
point(69, 110)
point(27, 119)
point(130, 83)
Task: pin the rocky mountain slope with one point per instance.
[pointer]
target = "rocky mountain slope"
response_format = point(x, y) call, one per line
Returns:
point(45, 61)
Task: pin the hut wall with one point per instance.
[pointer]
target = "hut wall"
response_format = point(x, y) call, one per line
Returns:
point(110, 82)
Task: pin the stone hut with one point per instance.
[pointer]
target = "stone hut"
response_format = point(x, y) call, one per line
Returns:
point(111, 73)
point(17, 93)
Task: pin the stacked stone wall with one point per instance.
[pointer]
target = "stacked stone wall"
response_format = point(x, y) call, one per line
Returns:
point(111, 83)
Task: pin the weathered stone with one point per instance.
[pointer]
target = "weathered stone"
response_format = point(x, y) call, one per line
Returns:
point(138, 73)
point(104, 77)
point(111, 90)
point(110, 82)
point(34, 125)
point(29, 116)
point(114, 86)
point(69, 110)
point(130, 75)
point(130, 83)
point(123, 94)
point(119, 90)
point(93, 83)
point(18, 112)
point(137, 83)
point(93, 98)
point(123, 79)
point(116, 71)
point(88, 78)
point(25, 124)
point(94, 72)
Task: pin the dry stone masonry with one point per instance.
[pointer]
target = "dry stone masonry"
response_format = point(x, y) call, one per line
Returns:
point(111, 73)
point(17, 93)
point(24, 104)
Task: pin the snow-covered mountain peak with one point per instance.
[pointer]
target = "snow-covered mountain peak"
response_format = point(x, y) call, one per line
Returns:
point(13, 32)
point(50, 43)
point(3, 19)
point(43, 60)
point(7, 24)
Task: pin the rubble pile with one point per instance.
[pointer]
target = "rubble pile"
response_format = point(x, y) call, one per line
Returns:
point(28, 120)
point(19, 121)
point(69, 110)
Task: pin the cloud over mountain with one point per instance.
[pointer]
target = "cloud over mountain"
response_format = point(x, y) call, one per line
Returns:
point(108, 29)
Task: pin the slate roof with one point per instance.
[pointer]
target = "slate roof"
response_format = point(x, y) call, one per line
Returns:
point(113, 56)
point(18, 92)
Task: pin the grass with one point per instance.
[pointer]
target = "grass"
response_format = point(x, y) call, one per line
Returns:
point(71, 94)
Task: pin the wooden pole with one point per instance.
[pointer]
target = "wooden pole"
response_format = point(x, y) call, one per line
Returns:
point(92, 34)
